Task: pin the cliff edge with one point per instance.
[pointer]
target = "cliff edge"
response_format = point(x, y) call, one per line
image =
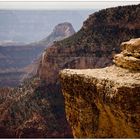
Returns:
point(105, 103)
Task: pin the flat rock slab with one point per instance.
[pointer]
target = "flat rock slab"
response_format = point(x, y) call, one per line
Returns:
point(119, 75)
point(102, 103)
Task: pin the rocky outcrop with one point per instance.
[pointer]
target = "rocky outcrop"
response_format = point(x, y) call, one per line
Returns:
point(130, 55)
point(37, 109)
point(94, 45)
point(60, 31)
point(104, 103)
point(91, 47)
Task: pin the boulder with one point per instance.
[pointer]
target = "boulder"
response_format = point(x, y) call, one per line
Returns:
point(129, 58)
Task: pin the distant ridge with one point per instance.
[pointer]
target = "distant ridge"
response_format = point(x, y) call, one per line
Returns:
point(20, 61)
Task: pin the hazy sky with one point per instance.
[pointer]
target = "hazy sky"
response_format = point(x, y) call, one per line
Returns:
point(63, 4)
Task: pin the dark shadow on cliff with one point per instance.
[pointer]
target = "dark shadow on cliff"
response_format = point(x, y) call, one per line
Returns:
point(53, 94)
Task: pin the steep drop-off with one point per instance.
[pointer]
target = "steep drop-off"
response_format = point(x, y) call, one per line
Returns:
point(91, 47)
point(104, 103)
point(29, 111)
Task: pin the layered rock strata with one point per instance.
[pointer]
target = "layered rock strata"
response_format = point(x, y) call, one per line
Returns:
point(103, 103)
point(130, 56)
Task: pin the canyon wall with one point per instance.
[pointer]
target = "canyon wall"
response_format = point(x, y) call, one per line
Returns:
point(18, 62)
point(105, 103)
point(94, 44)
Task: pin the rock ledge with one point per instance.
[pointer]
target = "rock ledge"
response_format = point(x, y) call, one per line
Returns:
point(103, 103)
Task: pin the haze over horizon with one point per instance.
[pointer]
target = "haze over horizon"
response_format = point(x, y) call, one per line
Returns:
point(33, 25)
point(30, 21)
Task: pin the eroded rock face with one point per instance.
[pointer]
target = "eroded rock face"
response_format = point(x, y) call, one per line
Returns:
point(94, 44)
point(60, 31)
point(91, 47)
point(64, 29)
point(102, 103)
point(130, 55)
point(132, 46)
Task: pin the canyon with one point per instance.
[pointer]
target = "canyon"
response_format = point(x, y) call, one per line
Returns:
point(27, 26)
point(94, 45)
point(37, 107)
point(18, 62)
